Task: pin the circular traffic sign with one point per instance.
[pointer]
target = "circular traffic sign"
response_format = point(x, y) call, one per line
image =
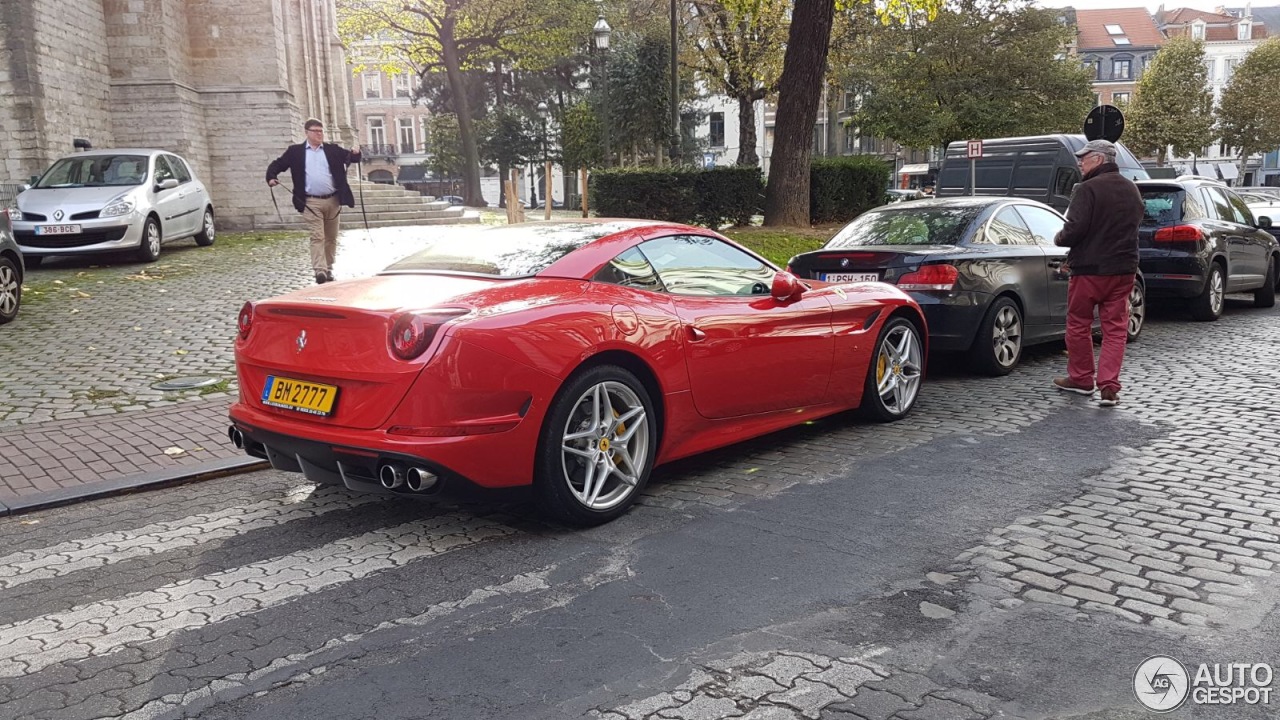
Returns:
point(1104, 122)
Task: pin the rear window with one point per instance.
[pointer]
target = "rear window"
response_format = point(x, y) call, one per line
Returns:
point(1169, 206)
point(907, 226)
point(507, 251)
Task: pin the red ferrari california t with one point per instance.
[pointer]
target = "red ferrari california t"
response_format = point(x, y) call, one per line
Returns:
point(572, 356)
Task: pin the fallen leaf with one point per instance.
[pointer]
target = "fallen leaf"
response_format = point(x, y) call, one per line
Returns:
point(135, 327)
point(74, 311)
point(80, 294)
point(173, 451)
point(179, 352)
point(58, 282)
point(162, 290)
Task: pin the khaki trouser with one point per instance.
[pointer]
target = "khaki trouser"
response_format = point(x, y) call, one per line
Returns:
point(321, 217)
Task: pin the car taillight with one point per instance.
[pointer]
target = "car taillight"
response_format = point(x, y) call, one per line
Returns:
point(930, 277)
point(245, 321)
point(1179, 233)
point(412, 332)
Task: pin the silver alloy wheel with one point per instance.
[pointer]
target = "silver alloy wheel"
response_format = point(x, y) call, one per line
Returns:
point(8, 291)
point(1217, 290)
point(605, 445)
point(208, 226)
point(1137, 309)
point(153, 238)
point(898, 369)
point(1007, 336)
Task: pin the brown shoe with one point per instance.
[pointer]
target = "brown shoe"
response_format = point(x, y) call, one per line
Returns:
point(1110, 398)
point(1063, 383)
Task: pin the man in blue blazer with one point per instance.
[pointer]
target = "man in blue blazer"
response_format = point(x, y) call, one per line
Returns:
point(320, 188)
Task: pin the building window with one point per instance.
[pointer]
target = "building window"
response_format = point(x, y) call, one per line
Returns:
point(377, 133)
point(1211, 68)
point(1114, 30)
point(406, 135)
point(1245, 31)
point(402, 85)
point(1229, 68)
point(717, 129)
point(372, 84)
point(849, 135)
point(1120, 97)
point(1121, 69)
point(850, 102)
point(1097, 99)
point(1197, 30)
point(1121, 41)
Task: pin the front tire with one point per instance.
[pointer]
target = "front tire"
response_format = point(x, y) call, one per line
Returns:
point(998, 347)
point(10, 290)
point(597, 447)
point(897, 369)
point(149, 250)
point(1265, 296)
point(1207, 306)
point(207, 232)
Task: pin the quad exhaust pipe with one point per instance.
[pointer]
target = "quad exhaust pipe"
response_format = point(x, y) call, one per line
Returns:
point(393, 476)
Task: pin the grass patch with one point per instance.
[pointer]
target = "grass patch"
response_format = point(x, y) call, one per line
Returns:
point(220, 386)
point(256, 237)
point(779, 245)
point(95, 394)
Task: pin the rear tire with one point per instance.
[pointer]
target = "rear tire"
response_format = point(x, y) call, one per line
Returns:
point(896, 372)
point(207, 233)
point(1207, 306)
point(1137, 310)
point(597, 447)
point(1265, 296)
point(998, 347)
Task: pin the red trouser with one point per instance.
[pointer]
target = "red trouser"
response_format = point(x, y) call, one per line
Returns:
point(1110, 295)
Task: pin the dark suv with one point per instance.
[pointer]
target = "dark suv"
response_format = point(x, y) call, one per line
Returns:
point(1199, 241)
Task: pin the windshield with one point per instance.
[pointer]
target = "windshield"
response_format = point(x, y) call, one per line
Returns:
point(507, 251)
point(96, 171)
point(907, 226)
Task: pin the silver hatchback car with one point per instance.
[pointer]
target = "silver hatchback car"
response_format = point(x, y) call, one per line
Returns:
point(112, 200)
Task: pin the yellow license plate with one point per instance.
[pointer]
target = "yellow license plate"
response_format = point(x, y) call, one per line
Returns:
point(308, 397)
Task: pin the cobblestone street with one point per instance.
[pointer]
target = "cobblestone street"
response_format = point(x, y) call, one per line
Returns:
point(1006, 551)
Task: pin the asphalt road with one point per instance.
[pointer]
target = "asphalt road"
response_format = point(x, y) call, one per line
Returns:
point(1004, 552)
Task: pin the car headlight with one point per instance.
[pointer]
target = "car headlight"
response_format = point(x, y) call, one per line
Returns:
point(121, 207)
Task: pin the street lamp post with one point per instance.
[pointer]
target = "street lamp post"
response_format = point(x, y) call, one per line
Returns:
point(675, 92)
point(601, 33)
point(546, 161)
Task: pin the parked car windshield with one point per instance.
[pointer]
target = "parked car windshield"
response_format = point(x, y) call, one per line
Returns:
point(96, 171)
point(907, 226)
point(507, 251)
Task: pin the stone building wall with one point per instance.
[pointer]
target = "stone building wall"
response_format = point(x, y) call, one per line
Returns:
point(224, 83)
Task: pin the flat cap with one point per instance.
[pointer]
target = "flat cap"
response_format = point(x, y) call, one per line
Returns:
point(1097, 146)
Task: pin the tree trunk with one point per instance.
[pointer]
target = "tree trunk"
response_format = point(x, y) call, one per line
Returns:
point(786, 202)
point(466, 129)
point(747, 130)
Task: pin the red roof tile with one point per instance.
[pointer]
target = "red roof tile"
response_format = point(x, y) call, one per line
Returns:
point(1135, 22)
point(1186, 15)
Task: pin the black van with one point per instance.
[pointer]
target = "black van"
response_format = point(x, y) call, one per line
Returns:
point(1041, 167)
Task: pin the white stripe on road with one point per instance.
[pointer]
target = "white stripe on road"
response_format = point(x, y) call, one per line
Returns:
point(113, 547)
point(103, 627)
point(237, 683)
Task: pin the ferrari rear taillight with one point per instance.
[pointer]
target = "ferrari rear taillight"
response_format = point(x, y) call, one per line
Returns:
point(245, 321)
point(412, 332)
point(1179, 233)
point(930, 277)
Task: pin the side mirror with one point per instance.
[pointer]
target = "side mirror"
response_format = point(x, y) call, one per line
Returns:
point(786, 287)
point(1264, 222)
point(167, 184)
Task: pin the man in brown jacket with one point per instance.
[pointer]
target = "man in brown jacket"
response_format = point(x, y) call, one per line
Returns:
point(1102, 234)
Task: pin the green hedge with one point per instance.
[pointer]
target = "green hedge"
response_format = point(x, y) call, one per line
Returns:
point(843, 188)
point(688, 195)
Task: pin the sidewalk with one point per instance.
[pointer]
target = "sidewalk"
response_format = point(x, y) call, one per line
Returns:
point(52, 463)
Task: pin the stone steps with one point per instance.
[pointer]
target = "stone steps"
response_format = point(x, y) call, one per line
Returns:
point(385, 206)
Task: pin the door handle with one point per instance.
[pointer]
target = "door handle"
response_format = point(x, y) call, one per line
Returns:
point(1055, 264)
point(696, 335)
